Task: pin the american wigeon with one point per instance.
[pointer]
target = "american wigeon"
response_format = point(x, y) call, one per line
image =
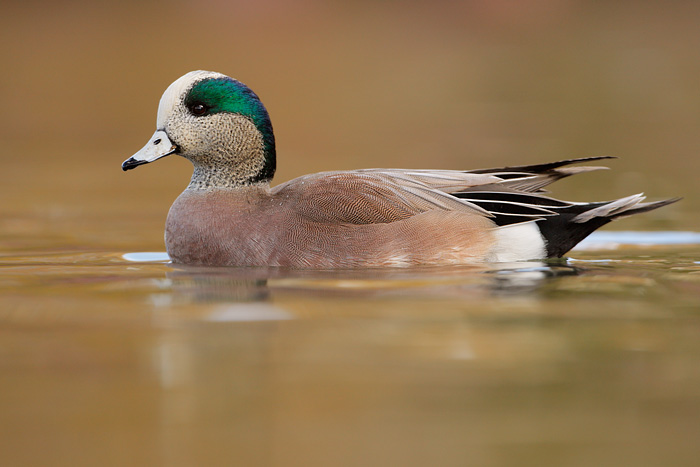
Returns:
point(230, 216)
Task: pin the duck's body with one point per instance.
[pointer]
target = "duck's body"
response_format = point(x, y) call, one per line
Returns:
point(229, 215)
point(285, 226)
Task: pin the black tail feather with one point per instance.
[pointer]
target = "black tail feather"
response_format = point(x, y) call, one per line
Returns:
point(541, 168)
point(561, 233)
point(574, 223)
point(645, 207)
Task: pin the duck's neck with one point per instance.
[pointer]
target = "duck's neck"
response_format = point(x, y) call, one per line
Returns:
point(206, 177)
point(250, 165)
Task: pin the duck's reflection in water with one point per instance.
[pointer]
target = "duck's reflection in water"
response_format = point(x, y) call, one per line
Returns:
point(217, 285)
point(280, 348)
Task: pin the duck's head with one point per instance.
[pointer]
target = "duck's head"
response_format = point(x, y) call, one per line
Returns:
point(217, 123)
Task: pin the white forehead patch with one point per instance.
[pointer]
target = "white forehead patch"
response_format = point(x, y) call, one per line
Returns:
point(175, 94)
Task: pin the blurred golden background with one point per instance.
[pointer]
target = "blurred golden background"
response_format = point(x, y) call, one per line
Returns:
point(108, 360)
point(350, 85)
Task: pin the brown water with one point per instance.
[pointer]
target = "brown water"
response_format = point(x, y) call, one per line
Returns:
point(586, 362)
point(110, 356)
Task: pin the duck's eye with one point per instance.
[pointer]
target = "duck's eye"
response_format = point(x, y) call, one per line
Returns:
point(198, 108)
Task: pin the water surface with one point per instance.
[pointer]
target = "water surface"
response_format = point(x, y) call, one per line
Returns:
point(595, 357)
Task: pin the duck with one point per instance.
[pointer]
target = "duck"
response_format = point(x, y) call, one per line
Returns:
point(229, 215)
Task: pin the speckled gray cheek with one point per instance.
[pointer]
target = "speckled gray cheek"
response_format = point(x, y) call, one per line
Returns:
point(181, 127)
point(227, 150)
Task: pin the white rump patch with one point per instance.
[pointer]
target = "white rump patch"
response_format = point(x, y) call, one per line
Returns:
point(518, 242)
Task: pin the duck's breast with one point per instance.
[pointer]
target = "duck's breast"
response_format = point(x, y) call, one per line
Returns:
point(220, 228)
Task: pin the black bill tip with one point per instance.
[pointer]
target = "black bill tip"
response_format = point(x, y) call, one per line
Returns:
point(132, 163)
